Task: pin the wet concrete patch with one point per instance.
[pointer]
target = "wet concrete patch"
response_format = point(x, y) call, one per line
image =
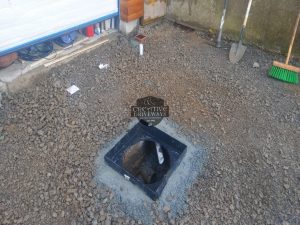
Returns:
point(132, 201)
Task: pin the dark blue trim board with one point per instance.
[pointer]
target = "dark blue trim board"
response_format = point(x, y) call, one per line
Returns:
point(52, 36)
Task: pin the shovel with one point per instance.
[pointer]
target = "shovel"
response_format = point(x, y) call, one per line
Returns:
point(238, 50)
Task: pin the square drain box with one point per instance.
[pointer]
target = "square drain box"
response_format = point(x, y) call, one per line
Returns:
point(146, 156)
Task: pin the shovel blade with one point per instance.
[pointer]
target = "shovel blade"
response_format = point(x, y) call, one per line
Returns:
point(236, 52)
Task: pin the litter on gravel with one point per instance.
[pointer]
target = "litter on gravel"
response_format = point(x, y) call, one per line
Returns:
point(256, 65)
point(103, 66)
point(73, 89)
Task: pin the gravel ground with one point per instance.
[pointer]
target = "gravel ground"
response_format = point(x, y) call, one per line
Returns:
point(248, 123)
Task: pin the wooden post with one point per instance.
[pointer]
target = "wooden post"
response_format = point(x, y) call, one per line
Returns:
point(131, 9)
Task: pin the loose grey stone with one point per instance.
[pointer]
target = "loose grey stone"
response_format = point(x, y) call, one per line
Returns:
point(256, 65)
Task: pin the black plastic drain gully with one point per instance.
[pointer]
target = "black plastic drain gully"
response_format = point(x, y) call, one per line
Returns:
point(147, 157)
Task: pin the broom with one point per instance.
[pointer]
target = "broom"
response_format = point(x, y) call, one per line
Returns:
point(284, 71)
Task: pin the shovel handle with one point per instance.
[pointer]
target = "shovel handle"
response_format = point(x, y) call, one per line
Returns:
point(247, 13)
point(245, 20)
point(292, 40)
point(222, 23)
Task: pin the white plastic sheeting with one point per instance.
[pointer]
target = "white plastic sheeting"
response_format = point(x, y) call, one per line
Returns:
point(24, 22)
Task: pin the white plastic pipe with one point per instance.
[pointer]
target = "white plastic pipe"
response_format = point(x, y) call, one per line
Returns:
point(141, 49)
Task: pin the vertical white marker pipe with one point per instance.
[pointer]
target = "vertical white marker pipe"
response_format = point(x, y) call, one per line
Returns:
point(141, 49)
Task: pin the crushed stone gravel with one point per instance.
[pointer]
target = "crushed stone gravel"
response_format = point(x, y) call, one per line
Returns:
point(249, 125)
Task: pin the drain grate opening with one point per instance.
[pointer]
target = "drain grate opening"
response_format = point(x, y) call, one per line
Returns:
point(146, 156)
point(147, 161)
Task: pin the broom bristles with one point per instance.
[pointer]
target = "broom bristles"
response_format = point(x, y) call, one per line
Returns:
point(284, 74)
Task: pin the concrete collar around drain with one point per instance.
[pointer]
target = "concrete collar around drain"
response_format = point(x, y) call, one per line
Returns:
point(132, 201)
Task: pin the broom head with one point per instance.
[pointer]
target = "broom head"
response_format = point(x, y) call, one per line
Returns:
point(284, 72)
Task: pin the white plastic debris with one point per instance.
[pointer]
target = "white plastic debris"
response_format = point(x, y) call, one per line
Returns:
point(73, 89)
point(160, 155)
point(103, 66)
point(255, 65)
point(126, 177)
